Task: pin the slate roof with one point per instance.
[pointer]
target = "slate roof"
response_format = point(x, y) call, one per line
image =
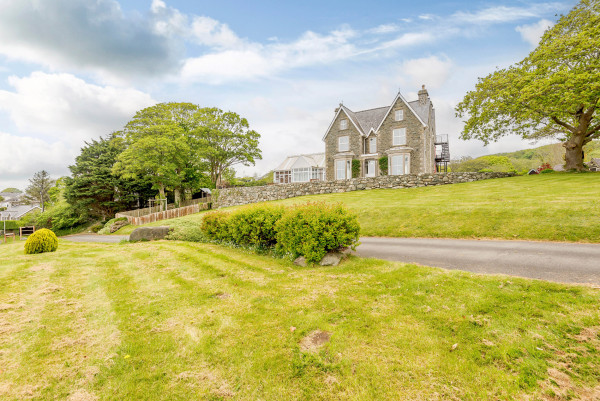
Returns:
point(302, 161)
point(16, 212)
point(372, 118)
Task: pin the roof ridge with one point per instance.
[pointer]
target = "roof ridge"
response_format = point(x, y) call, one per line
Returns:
point(374, 108)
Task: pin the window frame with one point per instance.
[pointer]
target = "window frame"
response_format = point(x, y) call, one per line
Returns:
point(344, 124)
point(399, 115)
point(347, 143)
point(404, 166)
point(372, 145)
point(402, 132)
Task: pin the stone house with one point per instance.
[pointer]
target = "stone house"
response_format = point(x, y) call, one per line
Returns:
point(404, 132)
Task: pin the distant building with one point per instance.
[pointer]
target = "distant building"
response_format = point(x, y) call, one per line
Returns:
point(301, 168)
point(18, 211)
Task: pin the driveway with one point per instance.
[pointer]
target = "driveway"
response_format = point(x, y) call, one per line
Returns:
point(552, 261)
point(109, 239)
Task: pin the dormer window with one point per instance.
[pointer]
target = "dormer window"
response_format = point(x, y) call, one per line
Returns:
point(399, 115)
point(343, 144)
point(344, 124)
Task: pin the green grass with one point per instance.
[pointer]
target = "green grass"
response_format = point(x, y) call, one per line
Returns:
point(176, 321)
point(555, 207)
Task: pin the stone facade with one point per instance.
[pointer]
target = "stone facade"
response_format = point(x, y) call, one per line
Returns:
point(418, 119)
point(245, 195)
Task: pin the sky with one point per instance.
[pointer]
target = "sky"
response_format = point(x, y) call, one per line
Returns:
point(75, 70)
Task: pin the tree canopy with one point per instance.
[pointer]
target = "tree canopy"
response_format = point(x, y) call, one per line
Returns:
point(552, 93)
point(223, 140)
point(39, 186)
point(93, 188)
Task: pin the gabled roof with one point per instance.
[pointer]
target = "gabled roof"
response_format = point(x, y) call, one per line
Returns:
point(367, 120)
point(16, 212)
point(303, 161)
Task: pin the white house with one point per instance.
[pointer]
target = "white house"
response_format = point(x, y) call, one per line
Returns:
point(301, 168)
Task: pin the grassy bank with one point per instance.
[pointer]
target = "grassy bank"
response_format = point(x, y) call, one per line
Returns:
point(554, 207)
point(171, 320)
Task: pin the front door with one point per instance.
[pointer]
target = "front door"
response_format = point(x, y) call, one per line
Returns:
point(370, 168)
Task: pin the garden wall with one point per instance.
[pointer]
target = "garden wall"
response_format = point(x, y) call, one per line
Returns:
point(244, 195)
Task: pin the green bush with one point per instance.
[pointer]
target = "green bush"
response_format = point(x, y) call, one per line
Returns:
point(10, 225)
point(187, 231)
point(216, 226)
point(355, 168)
point(255, 226)
point(41, 241)
point(96, 227)
point(546, 171)
point(314, 229)
point(383, 165)
point(113, 225)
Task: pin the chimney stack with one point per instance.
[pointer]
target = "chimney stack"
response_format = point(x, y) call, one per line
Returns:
point(423, 95)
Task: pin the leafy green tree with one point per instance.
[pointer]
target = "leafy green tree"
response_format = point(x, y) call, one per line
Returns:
point(94, 189)
point(13, 190)
point(158, 146)
point(39, 186)
point(553, 92)
point(223, 140)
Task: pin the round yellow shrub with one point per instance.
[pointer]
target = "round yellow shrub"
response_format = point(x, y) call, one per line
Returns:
point(41, 241)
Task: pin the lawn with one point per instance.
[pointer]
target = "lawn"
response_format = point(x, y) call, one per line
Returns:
point(554, 207)
point(171, 320)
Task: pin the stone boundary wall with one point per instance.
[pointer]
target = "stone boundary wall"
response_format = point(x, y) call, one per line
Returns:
point(245, 195)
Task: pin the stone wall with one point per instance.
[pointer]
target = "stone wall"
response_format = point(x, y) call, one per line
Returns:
point(244, 195)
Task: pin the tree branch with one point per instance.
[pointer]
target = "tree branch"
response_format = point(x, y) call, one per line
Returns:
point(567, 126)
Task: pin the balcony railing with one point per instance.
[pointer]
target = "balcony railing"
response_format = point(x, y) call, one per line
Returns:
point(441, 138)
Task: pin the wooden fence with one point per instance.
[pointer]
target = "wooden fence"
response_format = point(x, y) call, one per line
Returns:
point(152, 214)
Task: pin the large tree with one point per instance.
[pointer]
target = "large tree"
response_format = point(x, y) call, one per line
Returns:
point(223, 140)
point(553, 93)
point(38, 188)
point(94, 189)
point(158, 146)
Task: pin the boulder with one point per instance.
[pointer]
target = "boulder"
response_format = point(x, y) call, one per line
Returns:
point(300, 261)
point(149, 233)
point(332, 259)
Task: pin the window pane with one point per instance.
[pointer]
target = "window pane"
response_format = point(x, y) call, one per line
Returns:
point(343, 144)
point(373, 145)
point(397, 167)
point(399, 115)
point(399, 135)
point(406, 164)
point(340, 169)
point(343, 124)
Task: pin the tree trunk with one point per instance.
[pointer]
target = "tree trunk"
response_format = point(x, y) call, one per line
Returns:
point(177, 194)
point(161, 195)
point(574, 152)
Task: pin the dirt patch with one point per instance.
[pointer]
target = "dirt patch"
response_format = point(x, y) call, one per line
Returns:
point(314, 341)
point(588, 334)
point(222, 295)
point(4, 307)
point(82, 395)
point(50, 288)
point(208, 379)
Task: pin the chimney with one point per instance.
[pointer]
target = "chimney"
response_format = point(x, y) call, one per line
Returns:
point(338, 108)
point(423, 95)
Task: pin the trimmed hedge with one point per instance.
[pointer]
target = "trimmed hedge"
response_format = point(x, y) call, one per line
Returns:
point(255, 226)
point(309, 230)
point(41, 241)
point(314, 229)
point(10, 225)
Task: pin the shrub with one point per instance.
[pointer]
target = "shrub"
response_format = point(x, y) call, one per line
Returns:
point(96, 227)
point(187, 231)
point(41, 241)
point(215, 226)
point(10, 225)
point(383, 165)
point(314, 229)
point(255, 226)
point(108, 227)
point(546, 171)
point(355, 168)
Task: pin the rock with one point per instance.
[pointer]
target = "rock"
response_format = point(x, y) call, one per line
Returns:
point(118, 224)
point(333, 258)
point(300, 261)
point(454, 347)
point(149, 233)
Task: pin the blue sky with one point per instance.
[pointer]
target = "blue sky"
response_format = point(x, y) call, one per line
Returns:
point(72, 70)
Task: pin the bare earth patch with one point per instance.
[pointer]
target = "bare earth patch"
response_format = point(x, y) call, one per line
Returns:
point(314, 341)
point(82, 395)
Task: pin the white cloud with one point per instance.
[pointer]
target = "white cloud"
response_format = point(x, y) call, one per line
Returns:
point(533, 33)
point(384, 28)
point(210, 32)
point(66, 107)
point(431, 71)
point(23, 156)
point(501, 14)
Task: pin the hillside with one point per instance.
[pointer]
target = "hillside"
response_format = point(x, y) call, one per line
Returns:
point(523, 160)
point(555, 207)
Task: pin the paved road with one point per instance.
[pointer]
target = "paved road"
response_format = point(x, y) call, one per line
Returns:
point(96, 238)
point(561, 262)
